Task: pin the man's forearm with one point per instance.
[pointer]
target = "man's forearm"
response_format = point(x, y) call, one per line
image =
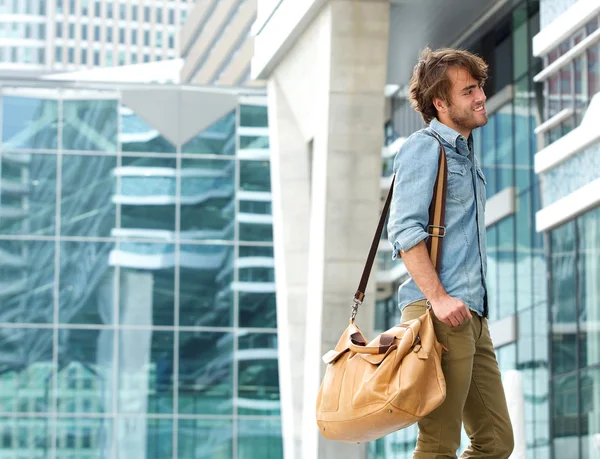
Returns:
point(421, 270)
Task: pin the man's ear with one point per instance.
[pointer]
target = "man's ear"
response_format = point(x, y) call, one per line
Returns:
point(439, 105)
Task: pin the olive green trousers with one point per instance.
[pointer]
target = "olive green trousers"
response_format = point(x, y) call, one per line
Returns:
point(474, 394)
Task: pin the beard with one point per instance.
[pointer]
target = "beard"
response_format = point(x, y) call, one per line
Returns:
point(466, 118)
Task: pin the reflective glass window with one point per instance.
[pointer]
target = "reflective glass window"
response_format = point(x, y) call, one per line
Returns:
point(87, 207)
point(258, 376)
point(260, 439)
point(27, 280)
point(215, 436)
point(92, 435)
point(253, 116)
point(207, 199)
point(206, 285)
point(563, 305)
point(588, 270)
point(26, 370)
point(87, 283)
point(28, 198)
point(145, 371)
point(90, 125)
point(33, 123)
point(85, 355)
point(31, 436)
point(255, 176)
point(205, 373)
point(155, 435)
point(146, 283)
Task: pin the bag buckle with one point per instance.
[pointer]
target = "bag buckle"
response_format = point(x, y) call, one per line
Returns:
point(355, 306)
point(442, 233)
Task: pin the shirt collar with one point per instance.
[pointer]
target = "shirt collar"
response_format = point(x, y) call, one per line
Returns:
point(449, 134)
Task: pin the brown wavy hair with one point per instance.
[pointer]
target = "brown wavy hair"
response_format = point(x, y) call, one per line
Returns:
point(430, 77)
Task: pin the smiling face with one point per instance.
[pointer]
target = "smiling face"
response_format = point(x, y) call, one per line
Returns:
point(466, 108)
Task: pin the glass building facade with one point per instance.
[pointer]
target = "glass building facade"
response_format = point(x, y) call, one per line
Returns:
point(571, 80)
point(517, 268)
point(137, 294)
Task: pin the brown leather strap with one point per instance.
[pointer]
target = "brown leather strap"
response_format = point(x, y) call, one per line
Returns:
point(436, 229)
point(437, 212)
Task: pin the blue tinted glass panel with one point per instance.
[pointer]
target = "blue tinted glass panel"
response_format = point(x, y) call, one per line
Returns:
point(138, 136)
point(215, 436)
point(90, 125)
point(147, 283)
point(258, 309)
point(506, 267)
point(28, 197)
point(588, 232)
point(154, 436)
point(29, 123)
point(488, 154)
point(205, 292)
point(259, 232)
point(565, 416)
point(254, 142)
point(590, 412)
point(260, 439)
point(504, 147)
point(27, 280)
point(255, 176)
point(207, 199)
point(88, 184)
point(26, 370)
point(86, 369)
point(253, 116)
point(492, 272)
point(147, 193)
point(145, 371)
point(258, 375)
point(87, 437)
point(29, 436)
point(524, 103)
point(524, 252)
point(205, 373)
point(563, 305)
point(218, 139)
point(86, 283)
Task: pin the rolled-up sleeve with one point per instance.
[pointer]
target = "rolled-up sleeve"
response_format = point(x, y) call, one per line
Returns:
point(416, 167)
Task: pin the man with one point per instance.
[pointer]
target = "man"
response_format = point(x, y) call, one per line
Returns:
point(447, 90)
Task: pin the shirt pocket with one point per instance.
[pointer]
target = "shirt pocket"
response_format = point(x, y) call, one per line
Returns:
point(481, 184)
point(460, 186)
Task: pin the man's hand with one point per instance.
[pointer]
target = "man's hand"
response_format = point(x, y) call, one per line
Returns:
point(450, 310)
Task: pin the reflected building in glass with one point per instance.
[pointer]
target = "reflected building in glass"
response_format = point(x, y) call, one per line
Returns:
point(137, 294)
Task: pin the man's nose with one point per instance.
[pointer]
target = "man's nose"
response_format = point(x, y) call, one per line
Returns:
point(481, 97)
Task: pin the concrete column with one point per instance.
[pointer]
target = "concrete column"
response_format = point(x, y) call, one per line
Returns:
point(326, 108)
point(290, 200)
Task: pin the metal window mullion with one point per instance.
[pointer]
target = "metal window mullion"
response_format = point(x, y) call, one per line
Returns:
point(549, 293)
point(578, 332)
point(56, 293)
point(236, 301)
point(116, 298)
point(176, 299)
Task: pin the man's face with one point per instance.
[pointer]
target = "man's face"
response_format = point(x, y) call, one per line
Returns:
point(467, 105)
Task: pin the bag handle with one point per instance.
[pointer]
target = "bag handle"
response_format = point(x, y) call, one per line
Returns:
point(435, 228)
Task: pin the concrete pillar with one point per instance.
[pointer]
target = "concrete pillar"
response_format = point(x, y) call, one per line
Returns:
point(326, 114)
point(290, 188)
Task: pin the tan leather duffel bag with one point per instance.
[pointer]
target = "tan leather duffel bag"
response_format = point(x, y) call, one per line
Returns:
point(371, 389)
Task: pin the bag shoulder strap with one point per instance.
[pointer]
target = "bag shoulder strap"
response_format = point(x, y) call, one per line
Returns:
point(435, 228)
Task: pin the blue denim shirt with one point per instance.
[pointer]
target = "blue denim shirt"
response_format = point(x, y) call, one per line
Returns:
point(464, 259)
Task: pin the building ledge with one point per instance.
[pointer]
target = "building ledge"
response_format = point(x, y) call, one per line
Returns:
point(279, 33)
